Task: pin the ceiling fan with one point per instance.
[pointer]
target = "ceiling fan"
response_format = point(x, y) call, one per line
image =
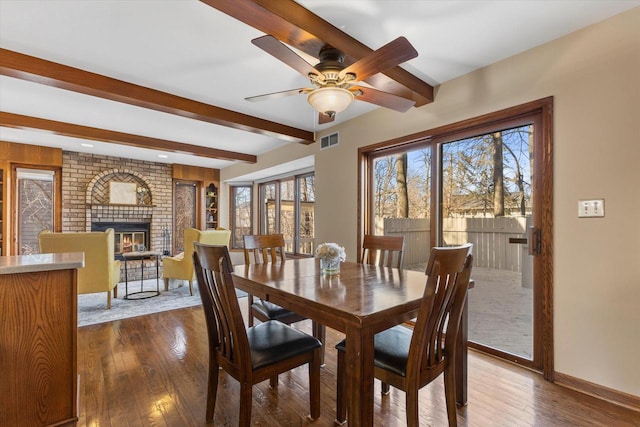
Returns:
point(336, 84)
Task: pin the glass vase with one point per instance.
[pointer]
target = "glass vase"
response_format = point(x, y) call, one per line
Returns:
point(330, 266)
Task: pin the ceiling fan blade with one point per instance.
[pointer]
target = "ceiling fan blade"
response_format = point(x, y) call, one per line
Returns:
point(325, 118)
point(277, 49)
point(388, 56)
point(383, 99)
point(276, 95)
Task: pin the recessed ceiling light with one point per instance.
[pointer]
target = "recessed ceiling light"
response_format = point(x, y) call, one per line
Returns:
point(84, 144)
point(163, 156)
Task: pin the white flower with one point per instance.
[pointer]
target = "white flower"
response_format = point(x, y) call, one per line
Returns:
point(330, 251)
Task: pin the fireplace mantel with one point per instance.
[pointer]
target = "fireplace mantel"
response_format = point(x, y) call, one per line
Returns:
point(118, 205)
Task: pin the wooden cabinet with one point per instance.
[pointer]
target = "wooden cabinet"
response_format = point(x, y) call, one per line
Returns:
point(211, 207)
point(38, 339)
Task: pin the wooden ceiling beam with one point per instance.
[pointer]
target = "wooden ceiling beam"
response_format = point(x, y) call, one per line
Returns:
point(296, 26)
point(30, 68)
point(19, 121)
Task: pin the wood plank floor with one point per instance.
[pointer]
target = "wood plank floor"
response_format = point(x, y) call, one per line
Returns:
point(152, 371)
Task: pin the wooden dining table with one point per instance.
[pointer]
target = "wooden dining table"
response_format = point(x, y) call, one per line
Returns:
point(361, 301)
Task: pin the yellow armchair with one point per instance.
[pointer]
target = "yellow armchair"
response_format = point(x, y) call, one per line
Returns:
point(181, 266)
point(101, 272)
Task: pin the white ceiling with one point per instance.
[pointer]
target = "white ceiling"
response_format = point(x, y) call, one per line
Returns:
point(187, 48)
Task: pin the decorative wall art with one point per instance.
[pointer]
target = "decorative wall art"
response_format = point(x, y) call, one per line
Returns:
point(122, 193)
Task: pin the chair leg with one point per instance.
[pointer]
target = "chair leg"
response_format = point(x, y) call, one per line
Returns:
point(212, 390)
point(108, 300)
point(250, 302)
point(273, 381)
point(115, 291)
point(450, 394)
point(412, 407)
point(314, 384)
point(191, 287)
point(385, 388)
point(245, 404)
point(319, 331)
point(341, 390)
point(166, 284)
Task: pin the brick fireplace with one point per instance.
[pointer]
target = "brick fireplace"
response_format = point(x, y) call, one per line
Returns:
point(86, 203)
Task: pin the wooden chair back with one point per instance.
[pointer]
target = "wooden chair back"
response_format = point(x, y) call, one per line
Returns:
point(383, 250)
point(448, 270)
point(225, 326)
point(411, 360)
point(264, 247)
point(231, 345)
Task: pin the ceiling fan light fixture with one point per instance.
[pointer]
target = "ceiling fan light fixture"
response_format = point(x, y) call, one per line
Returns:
point(330, 100)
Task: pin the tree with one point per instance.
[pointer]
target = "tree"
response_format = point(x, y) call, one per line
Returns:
point(498, 174)
point(401, 186)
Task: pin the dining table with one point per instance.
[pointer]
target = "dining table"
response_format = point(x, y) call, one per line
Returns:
point(360, 301)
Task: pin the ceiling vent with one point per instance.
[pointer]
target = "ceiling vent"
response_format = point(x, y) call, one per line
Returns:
point(329, 141)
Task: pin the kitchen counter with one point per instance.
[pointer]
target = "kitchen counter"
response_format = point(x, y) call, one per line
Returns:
point(40, 262)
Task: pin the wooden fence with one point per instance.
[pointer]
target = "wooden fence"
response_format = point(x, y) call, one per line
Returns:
point(490, 238)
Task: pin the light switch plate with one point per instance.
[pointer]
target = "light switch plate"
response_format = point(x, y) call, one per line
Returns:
point(592, 208)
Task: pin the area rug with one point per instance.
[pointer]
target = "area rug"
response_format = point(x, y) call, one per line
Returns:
point(92, 308)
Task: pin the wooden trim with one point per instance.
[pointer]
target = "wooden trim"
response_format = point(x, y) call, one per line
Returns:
point(296, 26)
point(598, 391)
point(32, 154)
point(195, 173)
point(545, 203)
point(19, 121)
point(37, 70)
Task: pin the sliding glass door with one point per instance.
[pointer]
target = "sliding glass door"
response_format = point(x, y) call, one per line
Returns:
point(487, 181)
point(486, 199)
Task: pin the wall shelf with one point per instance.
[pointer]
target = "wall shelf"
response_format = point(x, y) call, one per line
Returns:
point(211, 207)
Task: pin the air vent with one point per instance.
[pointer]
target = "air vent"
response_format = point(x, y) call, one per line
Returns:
point(329, 141)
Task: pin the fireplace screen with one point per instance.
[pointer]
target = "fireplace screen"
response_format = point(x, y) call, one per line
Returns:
point(128, 236)
point(129, 242)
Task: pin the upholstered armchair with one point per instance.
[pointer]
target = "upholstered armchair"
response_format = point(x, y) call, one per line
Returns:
point(180, 267)
point(101, 272)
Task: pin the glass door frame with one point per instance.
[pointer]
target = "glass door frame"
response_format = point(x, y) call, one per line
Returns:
point(541, 113)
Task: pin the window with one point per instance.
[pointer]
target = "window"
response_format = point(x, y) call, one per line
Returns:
point(401, 200)
point(184, 201)
point(288, 207)
point(306, 203)
point(241, 214)
point(35, 207)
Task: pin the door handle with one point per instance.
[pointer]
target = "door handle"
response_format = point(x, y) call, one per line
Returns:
point(535, 239)
point(518, 240)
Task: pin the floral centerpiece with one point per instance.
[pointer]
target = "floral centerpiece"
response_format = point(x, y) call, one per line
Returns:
point(330, 255)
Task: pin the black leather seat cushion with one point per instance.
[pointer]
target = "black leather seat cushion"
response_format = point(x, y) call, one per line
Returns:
point(391, 349)
point(274, 312)
point(273, 341)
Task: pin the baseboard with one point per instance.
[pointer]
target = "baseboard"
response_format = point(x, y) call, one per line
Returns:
point(610, 395)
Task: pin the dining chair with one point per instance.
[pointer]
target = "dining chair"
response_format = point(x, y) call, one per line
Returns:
point(382, 250)
point(249, 355)
point(408, 359)
point(262, 249)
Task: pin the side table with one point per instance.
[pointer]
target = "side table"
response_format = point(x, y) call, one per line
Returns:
point(141, 256)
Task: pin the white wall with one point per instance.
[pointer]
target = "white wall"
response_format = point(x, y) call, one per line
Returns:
point(594, 77)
